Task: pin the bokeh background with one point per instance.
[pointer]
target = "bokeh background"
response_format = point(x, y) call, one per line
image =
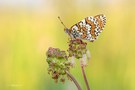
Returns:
point(29, 27)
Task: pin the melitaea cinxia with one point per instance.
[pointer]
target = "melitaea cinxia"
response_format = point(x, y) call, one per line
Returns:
point(88, 28)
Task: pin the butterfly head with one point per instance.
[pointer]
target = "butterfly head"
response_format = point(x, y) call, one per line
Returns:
point(66, 30)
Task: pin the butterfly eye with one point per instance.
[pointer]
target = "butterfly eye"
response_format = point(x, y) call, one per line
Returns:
point(66, 30)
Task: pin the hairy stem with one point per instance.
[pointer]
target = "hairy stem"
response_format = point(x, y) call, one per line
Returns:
point(85, 78)
point(74, 80)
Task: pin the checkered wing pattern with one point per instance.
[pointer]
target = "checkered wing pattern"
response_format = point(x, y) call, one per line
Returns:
point(88, 28)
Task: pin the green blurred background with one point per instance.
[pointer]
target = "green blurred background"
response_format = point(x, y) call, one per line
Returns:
point(29, 27)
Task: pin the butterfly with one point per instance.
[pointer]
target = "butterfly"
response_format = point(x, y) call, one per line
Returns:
point(87, 29)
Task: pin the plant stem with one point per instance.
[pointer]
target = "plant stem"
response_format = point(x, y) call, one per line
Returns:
point(74, 80)
point(85, 78)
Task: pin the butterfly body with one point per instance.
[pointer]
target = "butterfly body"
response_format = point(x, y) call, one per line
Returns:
point(88, 28)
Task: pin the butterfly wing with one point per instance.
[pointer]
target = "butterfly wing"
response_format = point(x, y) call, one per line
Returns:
point(101, 19)
point(88, 28)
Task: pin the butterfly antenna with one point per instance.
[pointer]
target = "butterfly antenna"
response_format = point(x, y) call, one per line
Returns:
point(62, 22)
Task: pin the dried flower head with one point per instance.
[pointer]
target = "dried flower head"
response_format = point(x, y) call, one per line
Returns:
point(58, 63)
point(77, 49)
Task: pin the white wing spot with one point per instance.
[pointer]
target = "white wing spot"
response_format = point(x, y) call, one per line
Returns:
point(75, 27)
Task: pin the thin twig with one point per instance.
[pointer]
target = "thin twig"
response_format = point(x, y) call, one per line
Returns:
point(74, 80)
point(85, 78)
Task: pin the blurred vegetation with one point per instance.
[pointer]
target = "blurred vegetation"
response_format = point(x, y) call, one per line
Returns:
point(27, 31)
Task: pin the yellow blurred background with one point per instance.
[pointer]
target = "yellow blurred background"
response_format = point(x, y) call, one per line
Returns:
point(29, 27)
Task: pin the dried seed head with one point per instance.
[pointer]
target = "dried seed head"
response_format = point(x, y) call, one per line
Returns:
point(77, 49)
point(58, 63)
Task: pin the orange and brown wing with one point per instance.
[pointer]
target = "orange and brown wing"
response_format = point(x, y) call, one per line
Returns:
point(88, 28)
